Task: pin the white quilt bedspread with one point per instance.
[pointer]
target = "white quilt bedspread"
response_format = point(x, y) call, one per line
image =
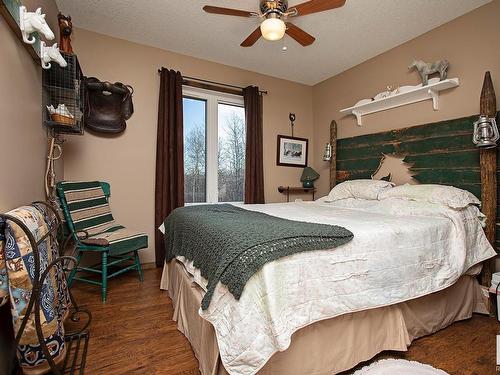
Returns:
point(401, 250)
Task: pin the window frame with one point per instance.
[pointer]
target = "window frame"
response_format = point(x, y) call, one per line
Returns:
point(212, 100)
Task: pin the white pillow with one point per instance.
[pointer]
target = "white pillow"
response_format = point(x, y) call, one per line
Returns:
point(361, 189)
point(440, 194)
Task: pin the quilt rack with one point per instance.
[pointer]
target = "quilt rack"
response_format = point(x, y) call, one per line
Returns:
point(76, 342)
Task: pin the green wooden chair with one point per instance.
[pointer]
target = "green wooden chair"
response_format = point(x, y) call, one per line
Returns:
point(89, 221)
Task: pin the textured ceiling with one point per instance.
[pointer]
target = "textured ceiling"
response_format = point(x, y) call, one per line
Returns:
point(345, 37)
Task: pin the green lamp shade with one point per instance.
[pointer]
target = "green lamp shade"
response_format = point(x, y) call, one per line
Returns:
point(308, 177)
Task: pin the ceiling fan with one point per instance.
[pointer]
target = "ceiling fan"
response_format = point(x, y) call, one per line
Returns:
point(274, 15)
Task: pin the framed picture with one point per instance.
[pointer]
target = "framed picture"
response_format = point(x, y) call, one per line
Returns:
point(292, 151)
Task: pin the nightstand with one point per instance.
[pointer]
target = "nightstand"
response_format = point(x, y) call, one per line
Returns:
point(296, 190)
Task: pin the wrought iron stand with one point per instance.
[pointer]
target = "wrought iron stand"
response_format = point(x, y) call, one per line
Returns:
point(76, 342)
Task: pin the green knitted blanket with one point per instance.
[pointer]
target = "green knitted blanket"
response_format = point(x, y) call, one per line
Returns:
point(229, 244)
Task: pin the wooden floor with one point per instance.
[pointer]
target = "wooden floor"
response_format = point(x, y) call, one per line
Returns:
point(132, 333)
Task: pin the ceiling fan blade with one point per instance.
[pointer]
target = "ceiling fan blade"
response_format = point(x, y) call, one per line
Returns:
point(228, 11)
point(252, 38)
point(299, 35)
point(315, 6)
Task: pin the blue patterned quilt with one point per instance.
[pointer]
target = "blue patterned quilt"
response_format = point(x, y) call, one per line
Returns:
point(17, 273)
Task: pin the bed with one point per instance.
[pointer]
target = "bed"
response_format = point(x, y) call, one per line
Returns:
point(409, 271)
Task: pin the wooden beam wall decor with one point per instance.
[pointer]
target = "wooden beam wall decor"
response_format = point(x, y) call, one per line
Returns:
point(488, 162)
point(333, 161)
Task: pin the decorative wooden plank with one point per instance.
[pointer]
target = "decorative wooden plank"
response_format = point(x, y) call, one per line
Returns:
point(376, 151)
point(333, 161)
point(488, 160)
point(497, 230)
point(361, 164)
point(353, 175)
point(435, 145)
point(447, 176)
point(456, 160)
point(367, 140)
point(437, 129)
point(452, 142)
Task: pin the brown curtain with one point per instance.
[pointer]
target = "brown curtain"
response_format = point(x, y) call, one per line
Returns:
point(254, 164)
point(169, 188)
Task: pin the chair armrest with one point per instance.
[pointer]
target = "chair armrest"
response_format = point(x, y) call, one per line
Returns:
point(85, 234)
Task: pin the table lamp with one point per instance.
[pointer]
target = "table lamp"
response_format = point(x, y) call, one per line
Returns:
point(308, 177)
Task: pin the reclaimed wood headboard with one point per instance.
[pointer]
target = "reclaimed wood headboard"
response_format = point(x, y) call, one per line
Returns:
point(439, 153)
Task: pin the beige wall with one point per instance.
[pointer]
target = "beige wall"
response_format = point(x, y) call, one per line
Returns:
point(471, 43)
point(22, 136)
point(127, 161)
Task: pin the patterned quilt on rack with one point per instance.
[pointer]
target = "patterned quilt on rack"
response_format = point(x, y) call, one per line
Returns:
point(17, 275)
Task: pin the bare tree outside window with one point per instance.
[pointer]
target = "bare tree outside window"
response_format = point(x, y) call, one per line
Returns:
point(231, 155)
point(194, 166)
point(194, 150)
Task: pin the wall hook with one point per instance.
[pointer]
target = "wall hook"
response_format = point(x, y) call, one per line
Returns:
point(48, 54)
point(30, 22)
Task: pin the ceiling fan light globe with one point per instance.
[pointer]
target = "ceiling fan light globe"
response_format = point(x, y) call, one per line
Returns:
point(273, 29)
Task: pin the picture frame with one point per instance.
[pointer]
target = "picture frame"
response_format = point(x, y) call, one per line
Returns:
point(292, 151)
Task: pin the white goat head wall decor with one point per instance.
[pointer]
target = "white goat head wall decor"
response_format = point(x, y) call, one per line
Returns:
point(30, 22)
point(48, 54)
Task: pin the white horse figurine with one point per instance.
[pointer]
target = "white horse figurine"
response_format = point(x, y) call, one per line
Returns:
point(426, 69)
point(48, 54)
point(29, 22)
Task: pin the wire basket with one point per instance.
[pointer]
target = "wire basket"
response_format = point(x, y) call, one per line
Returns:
point(63, 96)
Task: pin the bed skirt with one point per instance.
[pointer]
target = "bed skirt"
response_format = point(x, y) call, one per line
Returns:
point(329, 346)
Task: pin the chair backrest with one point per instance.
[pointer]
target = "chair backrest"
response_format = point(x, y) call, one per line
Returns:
point(85, 205)
point(106, 188)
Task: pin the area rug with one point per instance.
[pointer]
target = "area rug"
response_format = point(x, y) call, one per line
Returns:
point(399, 367)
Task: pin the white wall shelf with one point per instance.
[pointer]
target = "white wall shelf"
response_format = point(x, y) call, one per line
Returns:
point(408, 95)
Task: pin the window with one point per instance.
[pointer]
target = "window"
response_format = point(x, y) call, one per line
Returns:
point(195, 136)
point(214, 147)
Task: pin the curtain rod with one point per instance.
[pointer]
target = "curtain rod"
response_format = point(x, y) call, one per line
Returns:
point(264, 92)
